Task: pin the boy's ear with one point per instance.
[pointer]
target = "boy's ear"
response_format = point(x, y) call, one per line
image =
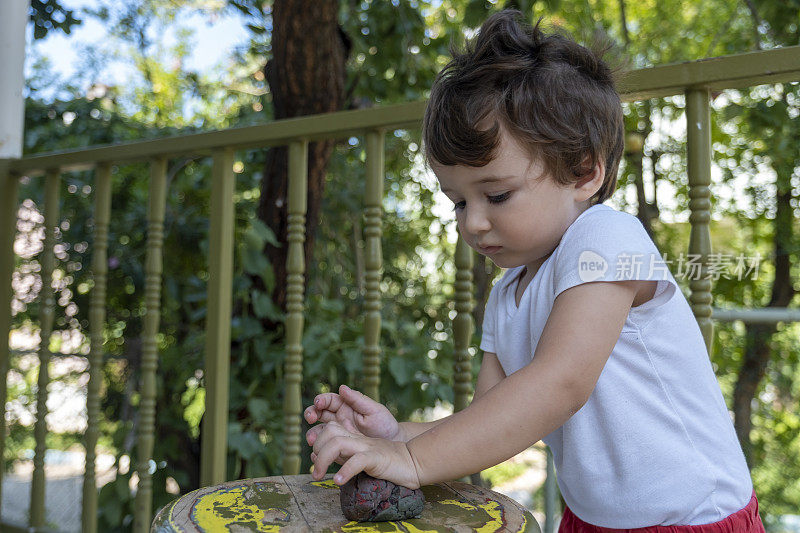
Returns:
point(591, 182)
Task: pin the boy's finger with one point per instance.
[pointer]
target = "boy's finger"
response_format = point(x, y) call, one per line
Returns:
point(325, 433)
point(327, 400)
point(327, 416)
point(350, 468)
point(312, 434)
point(359, 402)
point(313, 415)
point(328, 454)
point(310, 414)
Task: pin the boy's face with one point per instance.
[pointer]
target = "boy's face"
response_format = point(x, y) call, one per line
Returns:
point(510, 210)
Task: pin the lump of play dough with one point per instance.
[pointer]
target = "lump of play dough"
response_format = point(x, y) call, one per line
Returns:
point(365, 498)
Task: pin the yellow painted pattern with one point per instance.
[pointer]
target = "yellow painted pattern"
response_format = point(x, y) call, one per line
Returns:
point(218, 510)
point(492, 508)
point(325, 484)
point(380, 527)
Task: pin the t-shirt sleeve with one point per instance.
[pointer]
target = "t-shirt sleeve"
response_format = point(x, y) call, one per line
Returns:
point(490, 321)
point(610, 245)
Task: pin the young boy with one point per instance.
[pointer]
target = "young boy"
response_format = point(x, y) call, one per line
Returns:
point(524, 132)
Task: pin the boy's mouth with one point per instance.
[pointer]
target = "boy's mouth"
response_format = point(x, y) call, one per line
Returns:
point(487, 250)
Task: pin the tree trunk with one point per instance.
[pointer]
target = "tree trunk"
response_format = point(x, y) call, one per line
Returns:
point(634, 152)
point(634, 155)
point(757, 349)
point(646, 212)
point(306, 76)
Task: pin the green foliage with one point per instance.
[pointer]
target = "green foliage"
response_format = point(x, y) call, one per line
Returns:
point(776, 434)
point(418, 369)
point(397, 47)
point(50, 15)
point(504, 472)
point(22, 393)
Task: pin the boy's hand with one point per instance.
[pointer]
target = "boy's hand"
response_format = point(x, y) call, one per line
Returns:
point(355, 412)
point(380, 458)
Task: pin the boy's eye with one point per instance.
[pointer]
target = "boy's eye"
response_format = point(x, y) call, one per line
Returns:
point(500, 198)
point(496, 199)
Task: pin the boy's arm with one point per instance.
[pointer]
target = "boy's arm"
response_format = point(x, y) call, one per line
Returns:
point(356, 405)
point(490, 374)
point(409, 430)
point(580, 333)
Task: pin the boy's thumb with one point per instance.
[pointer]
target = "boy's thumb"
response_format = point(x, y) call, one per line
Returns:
point(357, 400)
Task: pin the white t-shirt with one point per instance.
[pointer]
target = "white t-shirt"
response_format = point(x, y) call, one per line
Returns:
point(654, 444)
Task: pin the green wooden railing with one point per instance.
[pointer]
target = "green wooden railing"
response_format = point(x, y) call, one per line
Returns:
point(693, 79)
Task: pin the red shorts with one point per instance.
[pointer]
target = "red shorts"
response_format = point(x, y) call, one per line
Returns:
point(744, 520)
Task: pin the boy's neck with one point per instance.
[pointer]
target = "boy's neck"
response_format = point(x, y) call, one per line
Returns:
point(529, 271)
point(526, 275)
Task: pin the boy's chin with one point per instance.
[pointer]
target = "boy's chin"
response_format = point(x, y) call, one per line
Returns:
point(502, 262)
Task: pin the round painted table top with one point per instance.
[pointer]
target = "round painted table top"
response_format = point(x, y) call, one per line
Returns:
point(298, 503)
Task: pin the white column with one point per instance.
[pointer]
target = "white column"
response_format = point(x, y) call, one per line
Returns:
point(13, 22)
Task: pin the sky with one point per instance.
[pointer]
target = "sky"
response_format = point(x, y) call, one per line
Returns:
point(216, 35)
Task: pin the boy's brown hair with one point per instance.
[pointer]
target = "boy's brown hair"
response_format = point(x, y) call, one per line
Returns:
point(555, 97)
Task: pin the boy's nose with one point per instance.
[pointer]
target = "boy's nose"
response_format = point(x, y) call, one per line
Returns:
point(476, 221)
